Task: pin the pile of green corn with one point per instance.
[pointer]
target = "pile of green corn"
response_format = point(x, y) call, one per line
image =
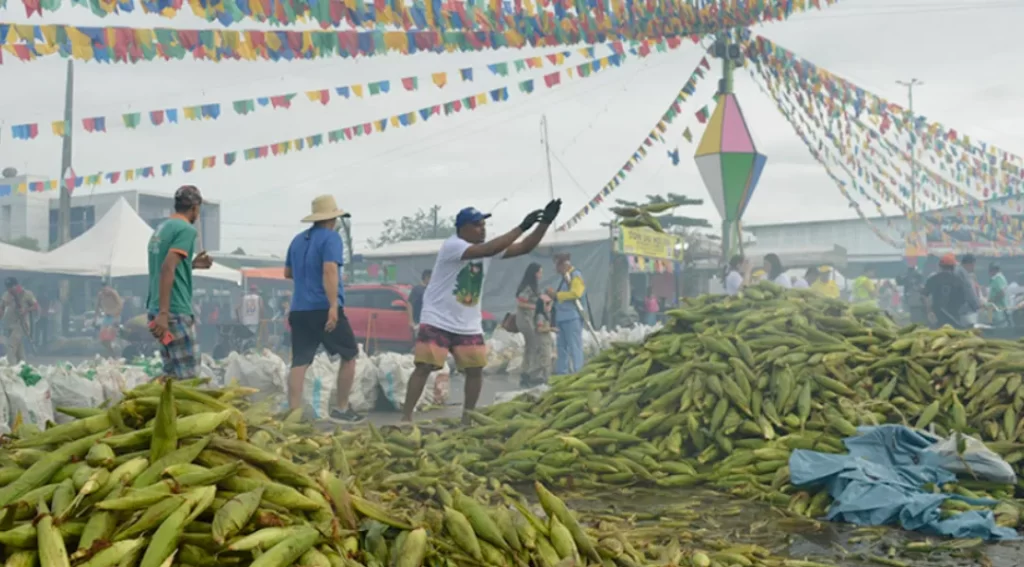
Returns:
point(176, 475)
point(729, 387)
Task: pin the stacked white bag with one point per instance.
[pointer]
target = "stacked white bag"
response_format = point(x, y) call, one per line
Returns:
point(99, 381)
point(31, 398)
point(72, 389)
point(505, 350)
point(395, 371)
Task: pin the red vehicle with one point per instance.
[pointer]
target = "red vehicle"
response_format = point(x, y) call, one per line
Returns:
point(381, 316)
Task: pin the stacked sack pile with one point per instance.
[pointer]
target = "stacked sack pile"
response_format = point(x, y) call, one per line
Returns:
point(33, 392)
point(724, 393)
point(384, 374)
point(505, 349)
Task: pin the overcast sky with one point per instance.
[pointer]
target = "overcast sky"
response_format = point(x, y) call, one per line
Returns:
point(965, 51)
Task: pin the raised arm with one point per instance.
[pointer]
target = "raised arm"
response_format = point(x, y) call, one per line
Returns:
point(526, 245)
point(501, 243)
point(530, 242)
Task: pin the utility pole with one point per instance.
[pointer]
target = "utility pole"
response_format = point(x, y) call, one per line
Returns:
point(64, 217)
point(64, 214)
point(914, 222)
point(433, 211)
point(547, 153)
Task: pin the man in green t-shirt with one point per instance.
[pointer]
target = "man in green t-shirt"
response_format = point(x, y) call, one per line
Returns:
point(169, 304)
point(997, 296)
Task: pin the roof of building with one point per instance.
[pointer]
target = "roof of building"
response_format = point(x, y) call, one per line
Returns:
point(430, 247)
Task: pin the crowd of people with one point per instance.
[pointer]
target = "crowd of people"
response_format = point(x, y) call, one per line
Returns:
point(952, 295)
point(447, 306)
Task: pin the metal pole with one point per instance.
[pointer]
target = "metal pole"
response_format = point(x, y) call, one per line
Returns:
point(547, 154)
point(914, 222)
point(64, 217)
point(64, 213)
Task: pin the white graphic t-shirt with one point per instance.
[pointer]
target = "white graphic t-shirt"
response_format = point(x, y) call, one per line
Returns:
point(251, 309)
point(451, 301)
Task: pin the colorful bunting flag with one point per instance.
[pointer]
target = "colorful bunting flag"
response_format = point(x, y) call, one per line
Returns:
point(655, 134)
point(426, 26)
point(282, 148)
point(872, 140)
point(322, 96)
point(450, 17)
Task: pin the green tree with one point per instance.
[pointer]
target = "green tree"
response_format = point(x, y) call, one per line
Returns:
point(26, 242)
point(422, 225)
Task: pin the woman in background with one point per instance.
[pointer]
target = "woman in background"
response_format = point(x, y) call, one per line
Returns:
point(775, 272)
point(527, 297)
point(651, 308)
point(545, 342)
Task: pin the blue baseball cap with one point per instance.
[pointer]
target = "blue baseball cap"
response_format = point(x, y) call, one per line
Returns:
point(469, 215)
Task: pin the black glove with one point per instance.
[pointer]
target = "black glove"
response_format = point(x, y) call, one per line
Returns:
point(551, 211)
point(530, 220)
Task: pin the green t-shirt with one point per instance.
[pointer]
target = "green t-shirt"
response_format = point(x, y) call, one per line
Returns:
point(178, 235)
point(997, 291)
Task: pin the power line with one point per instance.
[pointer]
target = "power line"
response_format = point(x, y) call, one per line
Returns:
point(423, 147)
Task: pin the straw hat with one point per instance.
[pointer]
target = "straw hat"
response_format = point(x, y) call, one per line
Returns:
point(324, 208)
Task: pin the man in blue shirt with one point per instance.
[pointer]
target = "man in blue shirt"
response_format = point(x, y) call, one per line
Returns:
point(317, 317)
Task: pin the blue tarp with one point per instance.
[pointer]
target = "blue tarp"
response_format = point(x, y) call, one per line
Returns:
point(880, 482)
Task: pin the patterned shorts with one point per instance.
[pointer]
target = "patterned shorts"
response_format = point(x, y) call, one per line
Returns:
point(433, 346)
point(181, 355)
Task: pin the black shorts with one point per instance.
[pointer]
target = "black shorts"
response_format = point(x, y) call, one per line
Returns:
point(308, 334)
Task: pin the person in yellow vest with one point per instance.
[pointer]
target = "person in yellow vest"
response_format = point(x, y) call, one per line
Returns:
point(825, 285)
point(864, 288)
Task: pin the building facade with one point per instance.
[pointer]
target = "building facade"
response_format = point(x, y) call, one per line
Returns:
point(37, 215)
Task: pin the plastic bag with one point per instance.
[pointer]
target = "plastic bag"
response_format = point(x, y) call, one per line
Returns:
point(319, 385)
point(263, 371)
point(116, 379)
point(395, 370)
point(439, 387)
point(983, 463)
point(28, 394)
point(364, 388)
point(529, 394)
point(72, 387)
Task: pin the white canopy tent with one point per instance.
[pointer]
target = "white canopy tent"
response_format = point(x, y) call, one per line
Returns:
point(115, 247)
point(18, 259)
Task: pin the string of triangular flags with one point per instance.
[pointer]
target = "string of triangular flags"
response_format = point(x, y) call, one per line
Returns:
point(884, 166)
point(990, 170)
point(872, 151)
point(816, 149)
point(249, 105)
point(542, 22)
point(403, 120)
point(655, 135)
point(430, 26)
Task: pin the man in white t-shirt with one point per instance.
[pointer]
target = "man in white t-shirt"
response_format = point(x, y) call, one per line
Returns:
point(451, 319)
point(250, 310)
